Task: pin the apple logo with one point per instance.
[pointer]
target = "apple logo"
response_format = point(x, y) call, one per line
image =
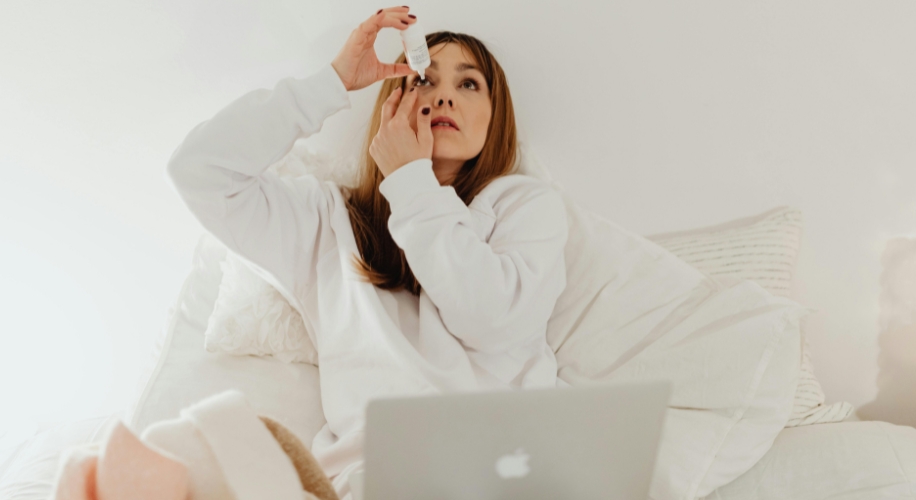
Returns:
point(513, 465)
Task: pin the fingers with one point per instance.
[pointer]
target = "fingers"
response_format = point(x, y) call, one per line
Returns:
point(392, 17)
point(424, 131)
point(390, 106)
point(406, 104)
point(397, 106)
point(396, 70)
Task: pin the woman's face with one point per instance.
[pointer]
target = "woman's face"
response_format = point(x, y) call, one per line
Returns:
point(456, 89)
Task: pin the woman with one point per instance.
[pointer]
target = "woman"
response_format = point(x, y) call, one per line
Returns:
point(436, 273)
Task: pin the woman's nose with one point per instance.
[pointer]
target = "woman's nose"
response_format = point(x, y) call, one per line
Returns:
point(442, 97)
point(439, 101)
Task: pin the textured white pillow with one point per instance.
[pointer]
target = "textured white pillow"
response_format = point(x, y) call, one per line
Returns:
point(251, 317)
point(762, 248)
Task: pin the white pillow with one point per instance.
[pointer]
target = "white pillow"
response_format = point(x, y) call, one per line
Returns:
point(252, 318)
point(762, 248)
point(634, 311)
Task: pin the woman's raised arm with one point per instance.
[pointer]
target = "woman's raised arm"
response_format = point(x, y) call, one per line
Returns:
point(219, 171)
point(281, 225)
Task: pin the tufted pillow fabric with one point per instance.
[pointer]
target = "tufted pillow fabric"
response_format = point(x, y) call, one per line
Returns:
point(251, 317)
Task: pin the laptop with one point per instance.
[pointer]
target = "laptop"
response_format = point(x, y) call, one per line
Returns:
point(574, 443)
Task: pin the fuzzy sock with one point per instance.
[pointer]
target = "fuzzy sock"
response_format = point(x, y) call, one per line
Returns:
point(218, 449)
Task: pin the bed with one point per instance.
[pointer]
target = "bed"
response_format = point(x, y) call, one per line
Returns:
point(845, 459)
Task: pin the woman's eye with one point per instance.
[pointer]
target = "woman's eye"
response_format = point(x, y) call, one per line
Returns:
point(471, 80)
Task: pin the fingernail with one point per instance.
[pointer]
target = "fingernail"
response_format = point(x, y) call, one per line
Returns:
point(406, 7)
point(379, 12)
point(411, 15)
point(405, 22)
point(411, 90)
point(425, 111)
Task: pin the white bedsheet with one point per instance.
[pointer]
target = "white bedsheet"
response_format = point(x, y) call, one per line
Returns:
point(841, 461)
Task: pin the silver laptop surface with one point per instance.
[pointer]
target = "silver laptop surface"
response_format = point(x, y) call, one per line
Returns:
point(573, 443)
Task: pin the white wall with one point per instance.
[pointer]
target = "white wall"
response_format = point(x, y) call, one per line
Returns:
point(661, 115)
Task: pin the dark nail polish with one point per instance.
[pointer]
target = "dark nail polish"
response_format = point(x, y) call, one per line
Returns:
point(425, 111)
point(405, 22)
point(379, 12)
point(411, 90)
point(406, 7)
point(411, 16)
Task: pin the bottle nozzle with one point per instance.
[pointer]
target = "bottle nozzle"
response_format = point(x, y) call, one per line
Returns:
point(422, 74)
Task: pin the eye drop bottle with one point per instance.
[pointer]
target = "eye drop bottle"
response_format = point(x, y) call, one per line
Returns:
point(414, 41)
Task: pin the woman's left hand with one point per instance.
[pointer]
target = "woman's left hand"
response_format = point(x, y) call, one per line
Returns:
point(397, 143)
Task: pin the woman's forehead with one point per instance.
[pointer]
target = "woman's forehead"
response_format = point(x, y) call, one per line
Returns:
point(450, 54)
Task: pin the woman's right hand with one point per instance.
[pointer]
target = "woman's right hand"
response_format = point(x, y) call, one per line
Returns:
point(357, 65)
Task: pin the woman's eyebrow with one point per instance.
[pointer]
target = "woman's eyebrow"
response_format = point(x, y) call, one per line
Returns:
point(458, 67)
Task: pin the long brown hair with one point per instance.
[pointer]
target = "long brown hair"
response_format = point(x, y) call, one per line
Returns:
point(381, 261)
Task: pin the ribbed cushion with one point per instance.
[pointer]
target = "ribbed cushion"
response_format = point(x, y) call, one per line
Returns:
point(763, 249)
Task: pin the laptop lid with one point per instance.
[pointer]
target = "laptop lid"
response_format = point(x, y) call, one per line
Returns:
point(583, 442)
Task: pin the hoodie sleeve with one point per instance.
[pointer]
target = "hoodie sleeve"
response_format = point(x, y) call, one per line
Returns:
point(219, 171)
point(492, 295)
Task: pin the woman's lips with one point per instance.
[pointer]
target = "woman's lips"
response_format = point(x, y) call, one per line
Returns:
point(436, 127)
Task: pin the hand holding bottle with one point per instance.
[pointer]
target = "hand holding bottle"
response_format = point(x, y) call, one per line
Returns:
point(357, 64)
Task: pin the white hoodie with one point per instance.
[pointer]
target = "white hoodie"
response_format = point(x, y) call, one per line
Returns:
point(490, 272)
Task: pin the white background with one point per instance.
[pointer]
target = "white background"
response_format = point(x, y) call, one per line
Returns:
point(661, 115)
